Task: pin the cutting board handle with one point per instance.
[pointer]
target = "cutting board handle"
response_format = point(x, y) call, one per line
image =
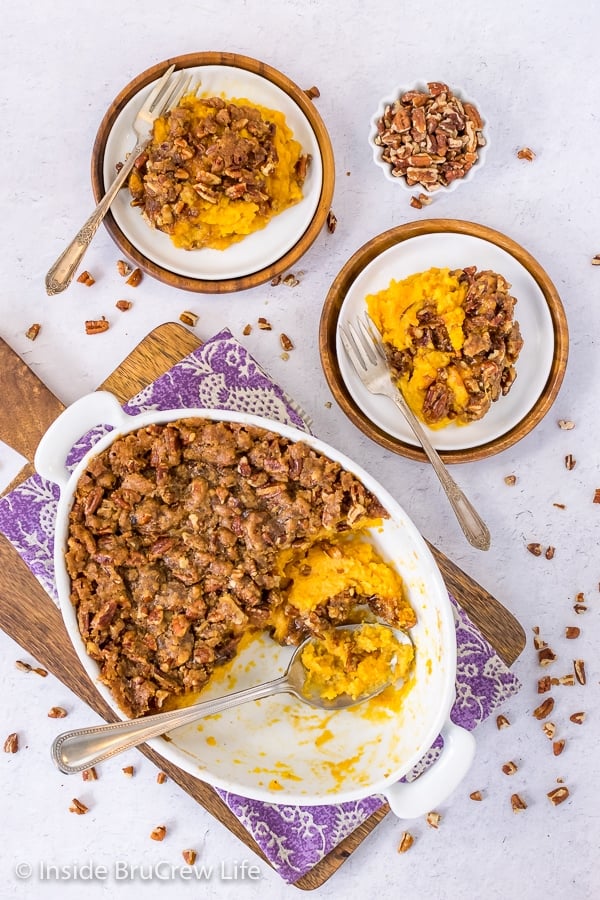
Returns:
point(410, 800)
point(97, 408)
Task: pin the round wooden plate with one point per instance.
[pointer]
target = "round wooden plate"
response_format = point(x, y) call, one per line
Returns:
point(535, 409)
point(265, 270)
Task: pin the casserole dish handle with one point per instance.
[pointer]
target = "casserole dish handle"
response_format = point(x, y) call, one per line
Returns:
point(97, 408)
point(409, 800)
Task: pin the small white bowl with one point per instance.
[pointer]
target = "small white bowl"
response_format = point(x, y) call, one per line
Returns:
point(386, 168)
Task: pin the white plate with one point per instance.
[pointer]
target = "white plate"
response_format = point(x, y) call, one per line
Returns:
point(441, 250)
point(256, 251)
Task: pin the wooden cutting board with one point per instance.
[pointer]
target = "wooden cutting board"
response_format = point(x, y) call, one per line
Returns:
point(29, 616)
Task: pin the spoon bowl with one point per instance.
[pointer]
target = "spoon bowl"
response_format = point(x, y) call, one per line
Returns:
point(79, 749)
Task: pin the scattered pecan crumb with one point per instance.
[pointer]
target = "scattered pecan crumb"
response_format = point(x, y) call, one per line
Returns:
point(284, 356)
point(286, 342)
point(189, 318)
point(546, 656)
point(433, 819)
point(579, 668)
point(78, 807)
point(597, 495)
point(135, 278)
point(128, 770)
point(406, 842)
point(331, 221)
point(566, 424)
point(57, 712)
point(572, 632)
point(535, 629)
point(549, 729)
point(328, 404)
point(517, 803)
point(510, 768)
point(558, 747)
point(276, 280)
point(550, 551)
point(558, 795)
point(158, 833)
point(247, 329)
point(312, 92)
point(570, 462)
point(23, 666)
point(502, 722)
point(90, 774)
point(577, 718)
point(580, 608)
point(39, 671)
point(596, 260)
point(526, 153)
point(476, 795)
point(543, 684)
point(510, 480)
point(559, 505)
point(33, 331)
point(291, 280)
point(123, 305)
point(96, 326)
point(539, 643)
point(86, 278)
point(544, 709)
point(416, 203)
point(161, 778)
point(264, 324)
point(123, 267)
point(189, 856)
point(11, 744)
point(535, 549)
point(420, 200)
point(568, 680)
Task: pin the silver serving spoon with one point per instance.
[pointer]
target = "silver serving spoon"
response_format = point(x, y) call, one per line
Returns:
point(82, 748)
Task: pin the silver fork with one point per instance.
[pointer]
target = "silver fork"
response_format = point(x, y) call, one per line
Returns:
point(166, 93)
point(364, 347)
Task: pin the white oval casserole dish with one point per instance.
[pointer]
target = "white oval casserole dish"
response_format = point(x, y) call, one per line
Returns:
point(278, 749)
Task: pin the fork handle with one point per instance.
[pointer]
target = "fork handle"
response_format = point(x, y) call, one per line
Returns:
point(473, 526)
point(60, 275)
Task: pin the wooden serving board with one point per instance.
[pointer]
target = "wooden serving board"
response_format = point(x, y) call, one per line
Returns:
point(29, 616)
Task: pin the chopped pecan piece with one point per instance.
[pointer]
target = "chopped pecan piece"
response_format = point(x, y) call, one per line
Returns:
point(23, 666)
point(57, 712)
point(123, 268)
point(90, 774)
point(558, 747)
point(161, 778)
point(502, 722)
point(544, 684)
point(39, 671)
point(579, 668)
point(526, 153)
point(11, 744)
point(550, 551)
point(331, 221)
point(517, 803)
point(189, 856)
point(123, 305)
point(549, 729)
point(406, 842)
point(78, 807)
point(158, 833)
point(572, 632)
point(510, 768)
point(433, 819)
point(96, 326)
point(285, 341)
point(546, 656)
point(596, 260)
point(33, 331)
point(291, 280)
point(566, 424)
point(596, 496)
point(476, 795)
point(86, 278)
point(535, 549)
point(276, 280)
point(264, 324)
point(135, 278)
point(312, 92)
point(558, 795)
point(569, 462)
point(577, 718)
point(510, 480)
point(128, 770)
point(247, 330)
point(188, 318)
point(544, 709)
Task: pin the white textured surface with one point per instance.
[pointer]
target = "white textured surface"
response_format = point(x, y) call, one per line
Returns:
point(533, 68)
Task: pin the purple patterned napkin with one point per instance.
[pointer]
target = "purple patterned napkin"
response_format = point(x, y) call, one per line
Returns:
point(222, 375)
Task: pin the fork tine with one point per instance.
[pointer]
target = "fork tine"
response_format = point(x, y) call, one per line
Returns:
point(159, 88)
point(350, 346)
point(177, 92)
point(366, 341)
point(375, 336)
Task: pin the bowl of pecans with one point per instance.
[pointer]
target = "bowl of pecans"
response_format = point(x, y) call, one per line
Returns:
point(428, 137)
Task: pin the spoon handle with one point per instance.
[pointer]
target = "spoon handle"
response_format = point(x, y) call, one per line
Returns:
point(82, 748)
